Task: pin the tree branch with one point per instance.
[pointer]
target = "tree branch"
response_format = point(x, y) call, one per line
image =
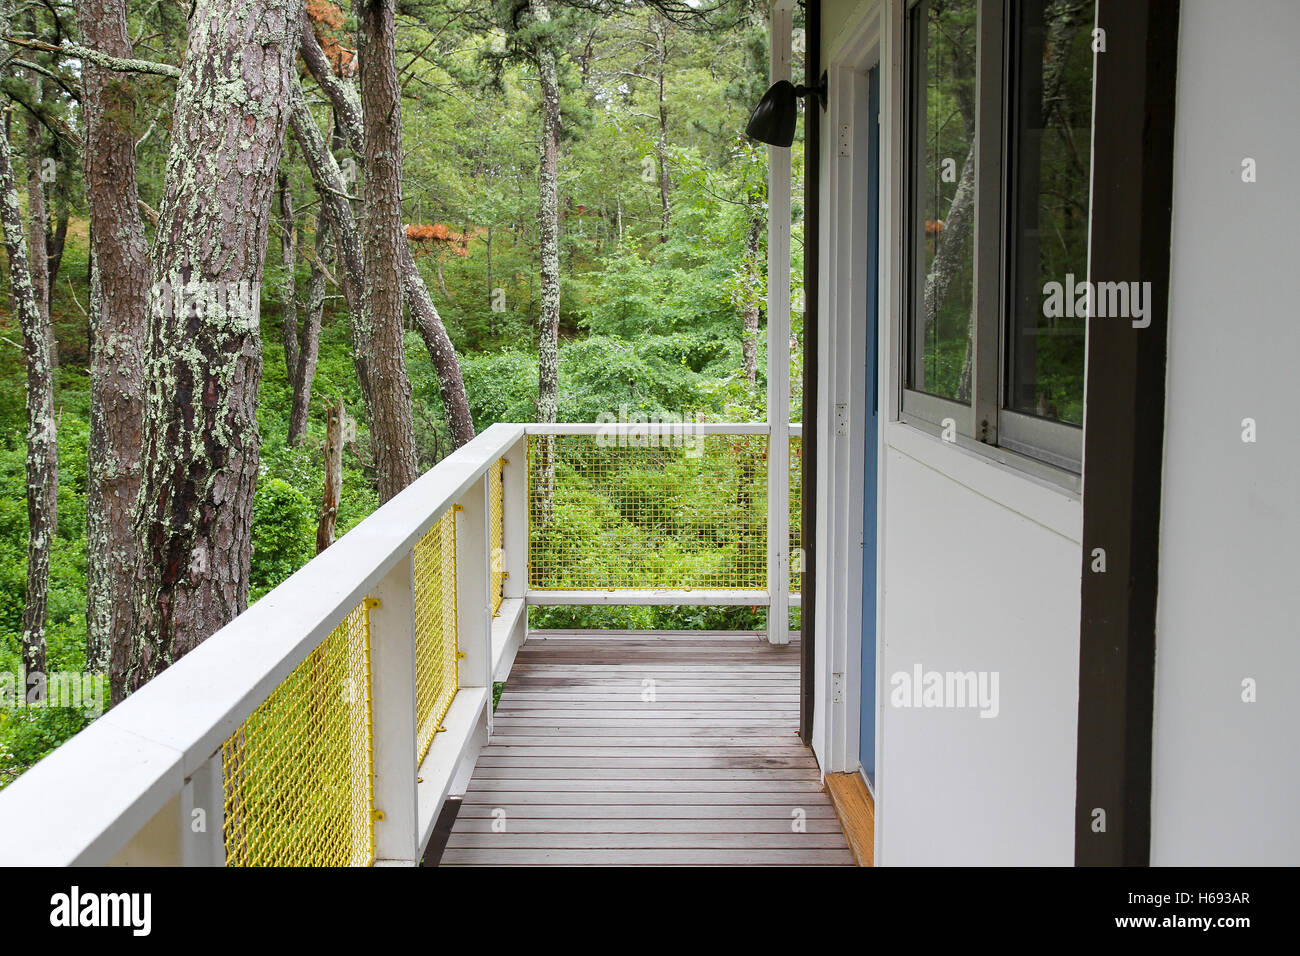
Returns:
point(115, 63)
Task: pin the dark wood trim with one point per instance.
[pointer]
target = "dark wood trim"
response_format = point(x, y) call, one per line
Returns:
point(811, 265)
point(1124, 430)
point(441, 832)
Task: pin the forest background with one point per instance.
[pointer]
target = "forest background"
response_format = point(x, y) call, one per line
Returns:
point(661, 264)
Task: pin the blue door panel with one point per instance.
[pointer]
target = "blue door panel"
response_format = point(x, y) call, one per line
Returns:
point(867, 728)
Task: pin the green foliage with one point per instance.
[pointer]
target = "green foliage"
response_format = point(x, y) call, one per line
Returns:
point(282, 528)
point(637, 618)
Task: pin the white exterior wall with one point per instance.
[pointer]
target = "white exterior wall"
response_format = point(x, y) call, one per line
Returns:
point(974, 580)
point(980, 571)
point(1227, 773)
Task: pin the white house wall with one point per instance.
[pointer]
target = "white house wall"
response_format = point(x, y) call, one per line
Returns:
point(1226, 773)
point(980, 572)
point(971, 583)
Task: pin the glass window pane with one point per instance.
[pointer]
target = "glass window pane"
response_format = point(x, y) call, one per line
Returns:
point(943, 46)
point(1050, 147)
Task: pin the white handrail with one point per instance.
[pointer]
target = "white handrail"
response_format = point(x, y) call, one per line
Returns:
point(656, 428)
point(647, 428)
point(88, 798)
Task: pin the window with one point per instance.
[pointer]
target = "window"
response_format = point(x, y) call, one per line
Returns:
point(944, 211)
point(999, 144)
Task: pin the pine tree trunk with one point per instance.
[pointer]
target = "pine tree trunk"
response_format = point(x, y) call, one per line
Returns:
point(38, 249)
point(204, 359)
point(332, 189)
point(119, 318)
point(451, 384)
point(661, 142)
point(57, 239)
point(491, 297)
point(310, 349)
point(288, 285)
point(752, 295)
point(333, 477)
point(42, 460)
point(548, 223)
point(548, 220)
point(392, 430)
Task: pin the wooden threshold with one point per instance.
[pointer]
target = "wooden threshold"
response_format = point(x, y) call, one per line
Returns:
point(856, 812)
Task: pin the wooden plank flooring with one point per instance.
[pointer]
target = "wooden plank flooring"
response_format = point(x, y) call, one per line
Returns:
point(650, 748)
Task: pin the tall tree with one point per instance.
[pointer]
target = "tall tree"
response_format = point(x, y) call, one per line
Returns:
point(753, 290)
point(659, 31)
point(119, 316)
point(308, 339)
point(42, 444)
point(204, 358)
point(288, 284)
point(392, 429)
point(548, 218)
point(38, 221)
point(332, 188)
point(348, 114)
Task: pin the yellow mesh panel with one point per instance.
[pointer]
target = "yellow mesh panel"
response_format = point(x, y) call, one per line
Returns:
point(299, 778)
point(796, 514)
point(496, 531)
point(639, 513)
point(436, 670)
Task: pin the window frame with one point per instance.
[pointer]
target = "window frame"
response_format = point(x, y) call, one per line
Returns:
point(1047, 449)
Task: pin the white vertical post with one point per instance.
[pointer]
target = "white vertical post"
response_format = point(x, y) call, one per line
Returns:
point(778, 352)
point(392, 689)
point(158, 842)
point(514, 540)
point(474, 586)
point(203, 814)
point(474, 609)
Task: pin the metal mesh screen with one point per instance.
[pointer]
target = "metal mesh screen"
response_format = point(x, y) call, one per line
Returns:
point(796, 515)
point(436, 653)
point(652, 512)
point(299, 780)
point(496, 532)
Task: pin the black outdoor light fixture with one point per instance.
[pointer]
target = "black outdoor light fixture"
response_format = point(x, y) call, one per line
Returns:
point(774, 118)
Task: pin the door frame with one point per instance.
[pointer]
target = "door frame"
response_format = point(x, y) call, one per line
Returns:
point(842, 388)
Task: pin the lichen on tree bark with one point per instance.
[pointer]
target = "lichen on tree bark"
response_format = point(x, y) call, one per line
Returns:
point(392, 430)
point(119, 319)
point(204, 357)
point(42, 444)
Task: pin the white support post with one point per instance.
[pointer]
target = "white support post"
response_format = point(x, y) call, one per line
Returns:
point(473, 587)
point(514, 540)
point(778, 351)
point(203, 815)
point(474, 616)
point(392, 689)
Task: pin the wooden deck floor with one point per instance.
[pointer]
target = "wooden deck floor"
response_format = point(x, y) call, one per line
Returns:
point(705, 770)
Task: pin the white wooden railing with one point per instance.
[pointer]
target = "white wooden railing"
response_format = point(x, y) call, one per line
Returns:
point(144, 783)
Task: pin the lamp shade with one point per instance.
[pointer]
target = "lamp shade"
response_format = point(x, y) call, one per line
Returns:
point(773, 120)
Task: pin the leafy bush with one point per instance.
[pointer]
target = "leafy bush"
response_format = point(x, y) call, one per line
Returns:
point(284, 534)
